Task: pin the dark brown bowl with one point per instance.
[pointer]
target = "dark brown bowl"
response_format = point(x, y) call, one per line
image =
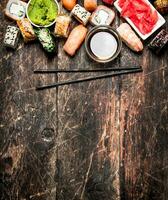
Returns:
point(102, 28)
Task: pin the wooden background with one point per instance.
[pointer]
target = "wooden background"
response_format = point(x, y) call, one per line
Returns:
point(101, 140)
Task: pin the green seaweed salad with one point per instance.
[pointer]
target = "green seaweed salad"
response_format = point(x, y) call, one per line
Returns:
point(42, 12)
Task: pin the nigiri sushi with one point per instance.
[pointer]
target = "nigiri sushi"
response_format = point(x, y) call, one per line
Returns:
point(129, 37)
point(75, 39)
point(90, 5)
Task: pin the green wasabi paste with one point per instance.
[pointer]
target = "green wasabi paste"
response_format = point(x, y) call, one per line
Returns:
point(42, 12)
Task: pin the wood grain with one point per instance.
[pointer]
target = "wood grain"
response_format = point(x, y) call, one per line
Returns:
point(143, 126)
point(89, 143)
point(28, 123)
point(102, 140)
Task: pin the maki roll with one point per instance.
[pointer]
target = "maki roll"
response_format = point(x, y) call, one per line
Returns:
point(15, 9)
point(159, 42)
point(46, 39)
point(26, 30)
point(81, 14)
point(11, 37)
point(62, 26)
point(102, 16)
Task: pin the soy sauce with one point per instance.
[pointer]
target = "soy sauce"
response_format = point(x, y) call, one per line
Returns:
point(103, 45)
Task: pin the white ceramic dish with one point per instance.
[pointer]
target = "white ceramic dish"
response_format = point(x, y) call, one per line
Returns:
point(159, 23)
point(45, 25)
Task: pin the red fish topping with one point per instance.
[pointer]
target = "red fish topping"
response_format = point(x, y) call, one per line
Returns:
point(140, 13)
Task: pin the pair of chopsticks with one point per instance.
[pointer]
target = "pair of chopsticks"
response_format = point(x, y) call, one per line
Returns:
point(113, 72)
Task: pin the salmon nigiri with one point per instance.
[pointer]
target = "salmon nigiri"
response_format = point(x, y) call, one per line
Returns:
point(75, 39)
point(129, 37)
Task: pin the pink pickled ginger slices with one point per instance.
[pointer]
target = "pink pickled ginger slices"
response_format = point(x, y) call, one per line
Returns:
point(140, 13)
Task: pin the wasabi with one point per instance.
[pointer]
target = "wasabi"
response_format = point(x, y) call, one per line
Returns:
point(42, 12)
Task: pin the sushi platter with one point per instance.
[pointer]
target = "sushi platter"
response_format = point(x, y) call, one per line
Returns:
point(43, 20)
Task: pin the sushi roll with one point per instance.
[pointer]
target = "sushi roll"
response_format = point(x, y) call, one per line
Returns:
point(129, 37)
point(161, 6)
point(62, 26)
point(26, 30)
point(11, 37)
point(15, 9)
point(45, 39)
point(159, 42)
point(81, 14)
point(90, 5)
point(102, 16)
point(75, 39)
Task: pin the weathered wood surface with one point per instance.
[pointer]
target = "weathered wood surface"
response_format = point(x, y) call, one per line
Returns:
point(101, 140)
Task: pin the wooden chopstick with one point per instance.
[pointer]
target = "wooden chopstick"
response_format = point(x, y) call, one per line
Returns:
point(88, 79)
point(50, 71)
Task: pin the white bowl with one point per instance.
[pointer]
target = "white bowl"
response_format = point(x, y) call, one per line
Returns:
point(45, 25)
point(159, 23)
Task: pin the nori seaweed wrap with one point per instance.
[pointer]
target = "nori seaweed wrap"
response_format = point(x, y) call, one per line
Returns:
point(45, 38)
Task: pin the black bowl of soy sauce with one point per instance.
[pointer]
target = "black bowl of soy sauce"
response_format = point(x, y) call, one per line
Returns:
point(103, 44)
